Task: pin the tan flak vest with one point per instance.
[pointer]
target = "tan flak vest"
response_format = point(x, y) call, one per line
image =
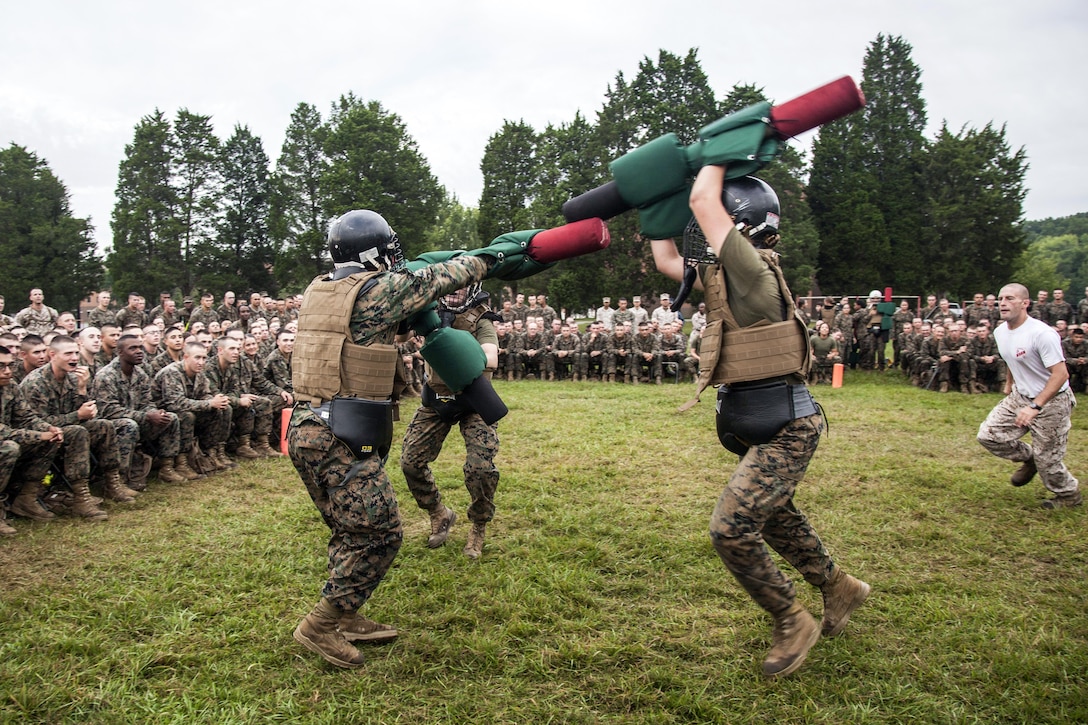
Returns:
point(326, 363)
point(467, 322)
point(734, 354)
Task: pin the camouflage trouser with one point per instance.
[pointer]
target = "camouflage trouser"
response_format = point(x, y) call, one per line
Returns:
point(506, 365)
point(1000, 435)
point(992, 375)
point(562, 367)
point(422, 444)
point(757, 506)
point(211, 427)
point(651, 367)
point(618, 364)
point(531, 364)
point(126, 432)
point(872, 349)
point(157, 441)
point(357, 502)
point(95, 436)
point(594, 364)
point(1078, 376)
point(27, 461)
point(961, 366)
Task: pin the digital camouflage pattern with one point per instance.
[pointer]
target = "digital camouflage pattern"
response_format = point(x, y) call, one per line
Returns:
point(355, 497)
point(641, 345)
point(756, 510)
point(174, 391)
point(24, 456)
point(277, 370)
point(58, 402)
point(596, 349)
point(119, 399)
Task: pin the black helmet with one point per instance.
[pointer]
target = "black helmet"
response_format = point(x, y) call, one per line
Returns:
point(754, 207)
point(363, 237)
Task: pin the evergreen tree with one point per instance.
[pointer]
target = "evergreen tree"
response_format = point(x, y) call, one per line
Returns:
point(374, 164)
point(298, 221)
point(146, 255)
point(509, 168)
point(46, 246)
point(198, 180)
point(866, 181)
point(974, 189)
point(243, 256)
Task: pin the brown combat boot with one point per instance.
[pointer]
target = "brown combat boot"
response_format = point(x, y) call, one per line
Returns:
point(509, 376)
point(167, 474)
point(842, 595)
point(116, 490)
point(795, 631)
point(222, 461)
point(1022, 475)
point(245, 450)
point(181, 466)
point(1063, 501)
point(967, 389)
point(5, 528)
point(356, 628)
point(475, 545)
point(442, 519)
point(265, 450)
point(611, 377)
point(944, 387)
point(27, 505)
point(82, 505)
point(317, 632)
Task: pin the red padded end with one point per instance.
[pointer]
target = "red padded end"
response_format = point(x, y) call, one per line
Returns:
point(569, 240)
point(815, 108)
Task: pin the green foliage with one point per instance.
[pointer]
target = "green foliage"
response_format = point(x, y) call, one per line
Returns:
point(1065, 255)
point(1073, 224)
point(147, 231)
point(598, 598)
point(509, 168)
point(374, 164)
point(45, 246)
point(1038, 267)
point(198, 178)
point(297, 218)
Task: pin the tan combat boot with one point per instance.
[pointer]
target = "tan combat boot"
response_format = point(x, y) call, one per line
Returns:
point(442, 519)
point(317, 632)
point(795, 631)
point(475, 545)
point(1063, 501)
point(222, 461)
point(944, 387)
point(167, 474)
point(181, 466)
point(245, 450)
point(83, 505)
point(5, 528)
point(116, 490)
point(842, 595)
point(27, 505)
point(264, 450)
point(356, 628)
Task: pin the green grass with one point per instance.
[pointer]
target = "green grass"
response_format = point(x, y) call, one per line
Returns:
point(599, 597)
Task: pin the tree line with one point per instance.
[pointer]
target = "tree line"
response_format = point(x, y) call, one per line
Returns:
point(878, 203)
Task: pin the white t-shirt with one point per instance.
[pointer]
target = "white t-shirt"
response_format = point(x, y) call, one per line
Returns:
point(1029, 350)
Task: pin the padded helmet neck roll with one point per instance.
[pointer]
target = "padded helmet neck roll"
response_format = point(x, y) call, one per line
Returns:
point(364, 238)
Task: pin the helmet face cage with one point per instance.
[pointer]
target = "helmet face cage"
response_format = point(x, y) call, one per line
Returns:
point(394, 254)
point(696, 250)
point(462, 299)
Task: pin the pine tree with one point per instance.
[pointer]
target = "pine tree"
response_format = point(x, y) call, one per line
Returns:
point(146, 255)
point(198, 179)
point(244, 250)
point(45, 245)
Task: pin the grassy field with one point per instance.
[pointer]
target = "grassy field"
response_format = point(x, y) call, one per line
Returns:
point(598, 599)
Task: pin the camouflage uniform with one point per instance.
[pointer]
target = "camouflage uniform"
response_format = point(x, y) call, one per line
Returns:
point(619, 360)
point(37, 322)
point(988, 376)
point(98, 317)
point(639, 346)
point(121, 399)
point(267, 407)
point(24, 456)
point(355, 497)
point(672, 349)
point(58, 403)
point(569, 363)
point(900, 321)
point(531, 355)
point(961, 362)
point(227, 313)
point(243, 418)
point(129, 317)
point(174, 391)
point(596, 349)
point(506, 365)
point(159, 362)
point(1078, 371)
point(1062, 310)
point(277, 370)
point(424, 438)
point(201, 315)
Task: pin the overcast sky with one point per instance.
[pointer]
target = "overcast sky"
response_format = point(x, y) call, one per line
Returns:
point(76, 77)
